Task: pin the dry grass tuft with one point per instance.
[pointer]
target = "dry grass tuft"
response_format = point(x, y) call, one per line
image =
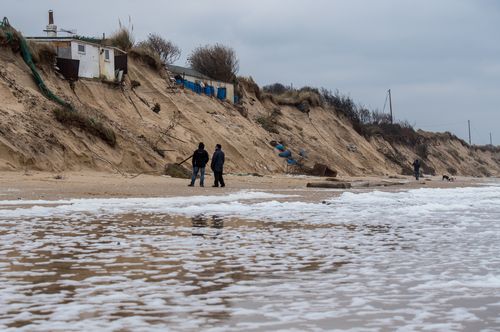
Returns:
point(147, 56)
point(87, 124)
point(42, 53)
point(302, 99)
point(122, 39)
point(270, 121)
point(248, 84)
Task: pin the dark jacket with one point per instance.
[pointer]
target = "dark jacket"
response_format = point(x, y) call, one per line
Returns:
point(416, 165)
point(200, 158)
point(217, 161)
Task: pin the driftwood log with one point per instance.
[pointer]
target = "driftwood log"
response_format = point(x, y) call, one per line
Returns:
point(329, 185)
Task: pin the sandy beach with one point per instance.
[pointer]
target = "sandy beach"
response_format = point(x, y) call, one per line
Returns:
point(51, 186)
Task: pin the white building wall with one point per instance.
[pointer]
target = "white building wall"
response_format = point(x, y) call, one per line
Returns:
point(107, 66)
point(89, 61)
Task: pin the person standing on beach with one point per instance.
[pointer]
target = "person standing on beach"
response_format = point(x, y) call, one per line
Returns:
point(217, 166)
point(416, 168)
point(200, 160)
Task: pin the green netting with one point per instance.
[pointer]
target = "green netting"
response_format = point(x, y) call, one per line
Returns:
point(26, 54)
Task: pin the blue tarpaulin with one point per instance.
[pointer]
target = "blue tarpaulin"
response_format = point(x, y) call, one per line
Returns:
point(285, 154)
point(280, 147)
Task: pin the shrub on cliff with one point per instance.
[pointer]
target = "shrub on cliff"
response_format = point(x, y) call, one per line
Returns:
point(166, 50)
point(85, 123)
point(147, 56)
point(216, 61)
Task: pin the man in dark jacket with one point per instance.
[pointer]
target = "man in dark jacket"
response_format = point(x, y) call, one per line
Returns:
point(416, 168)
point(200, 160)
point(217, 166)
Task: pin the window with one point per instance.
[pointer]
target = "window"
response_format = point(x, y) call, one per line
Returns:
point(81, 48)
point(106, 55)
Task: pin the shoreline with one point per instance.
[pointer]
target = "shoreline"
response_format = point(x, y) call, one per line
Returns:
point(54, 186)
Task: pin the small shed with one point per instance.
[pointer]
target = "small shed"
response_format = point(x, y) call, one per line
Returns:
point(92, 60)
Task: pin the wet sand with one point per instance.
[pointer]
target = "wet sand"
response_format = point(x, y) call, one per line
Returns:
point(51, 186)
point(384, 261)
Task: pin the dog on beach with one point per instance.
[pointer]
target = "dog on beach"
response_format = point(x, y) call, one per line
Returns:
point(448, 178)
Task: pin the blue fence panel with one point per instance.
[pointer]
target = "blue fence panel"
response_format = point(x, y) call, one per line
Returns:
point(197, 88)
point(221, 93)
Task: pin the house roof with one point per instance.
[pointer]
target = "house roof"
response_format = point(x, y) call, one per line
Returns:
point(70, 39)
point(187, 71)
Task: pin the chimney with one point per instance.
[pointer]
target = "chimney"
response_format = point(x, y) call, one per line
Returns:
point(51, 27)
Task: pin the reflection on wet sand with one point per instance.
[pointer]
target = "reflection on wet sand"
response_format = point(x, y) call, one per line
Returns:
point(152, 271)
point(97, 263)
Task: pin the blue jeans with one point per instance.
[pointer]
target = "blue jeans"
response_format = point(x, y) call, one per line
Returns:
point(195, 173)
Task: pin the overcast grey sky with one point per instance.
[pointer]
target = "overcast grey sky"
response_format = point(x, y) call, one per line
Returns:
point(441, 59)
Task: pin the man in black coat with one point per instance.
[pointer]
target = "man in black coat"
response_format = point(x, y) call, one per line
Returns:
point(416, 168)
point(217, 166)
point(200, 160)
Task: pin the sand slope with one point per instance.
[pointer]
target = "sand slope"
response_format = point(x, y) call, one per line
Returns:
point(31, 138)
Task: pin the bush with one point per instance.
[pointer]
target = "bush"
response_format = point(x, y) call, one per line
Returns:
point(147, 56)
point(270, 122)
point(218, 62)
point(166, 50)
point(276, 89)
point(87, 124)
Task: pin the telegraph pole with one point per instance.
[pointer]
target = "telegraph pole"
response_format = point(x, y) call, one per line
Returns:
point(491, 141)
point(470, 142)
point(390, 105)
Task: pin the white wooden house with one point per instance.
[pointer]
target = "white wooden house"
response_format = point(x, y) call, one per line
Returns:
point(94, 60)
point(77, 57)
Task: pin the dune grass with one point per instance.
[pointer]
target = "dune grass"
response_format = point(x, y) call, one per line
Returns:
point(87, 124)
